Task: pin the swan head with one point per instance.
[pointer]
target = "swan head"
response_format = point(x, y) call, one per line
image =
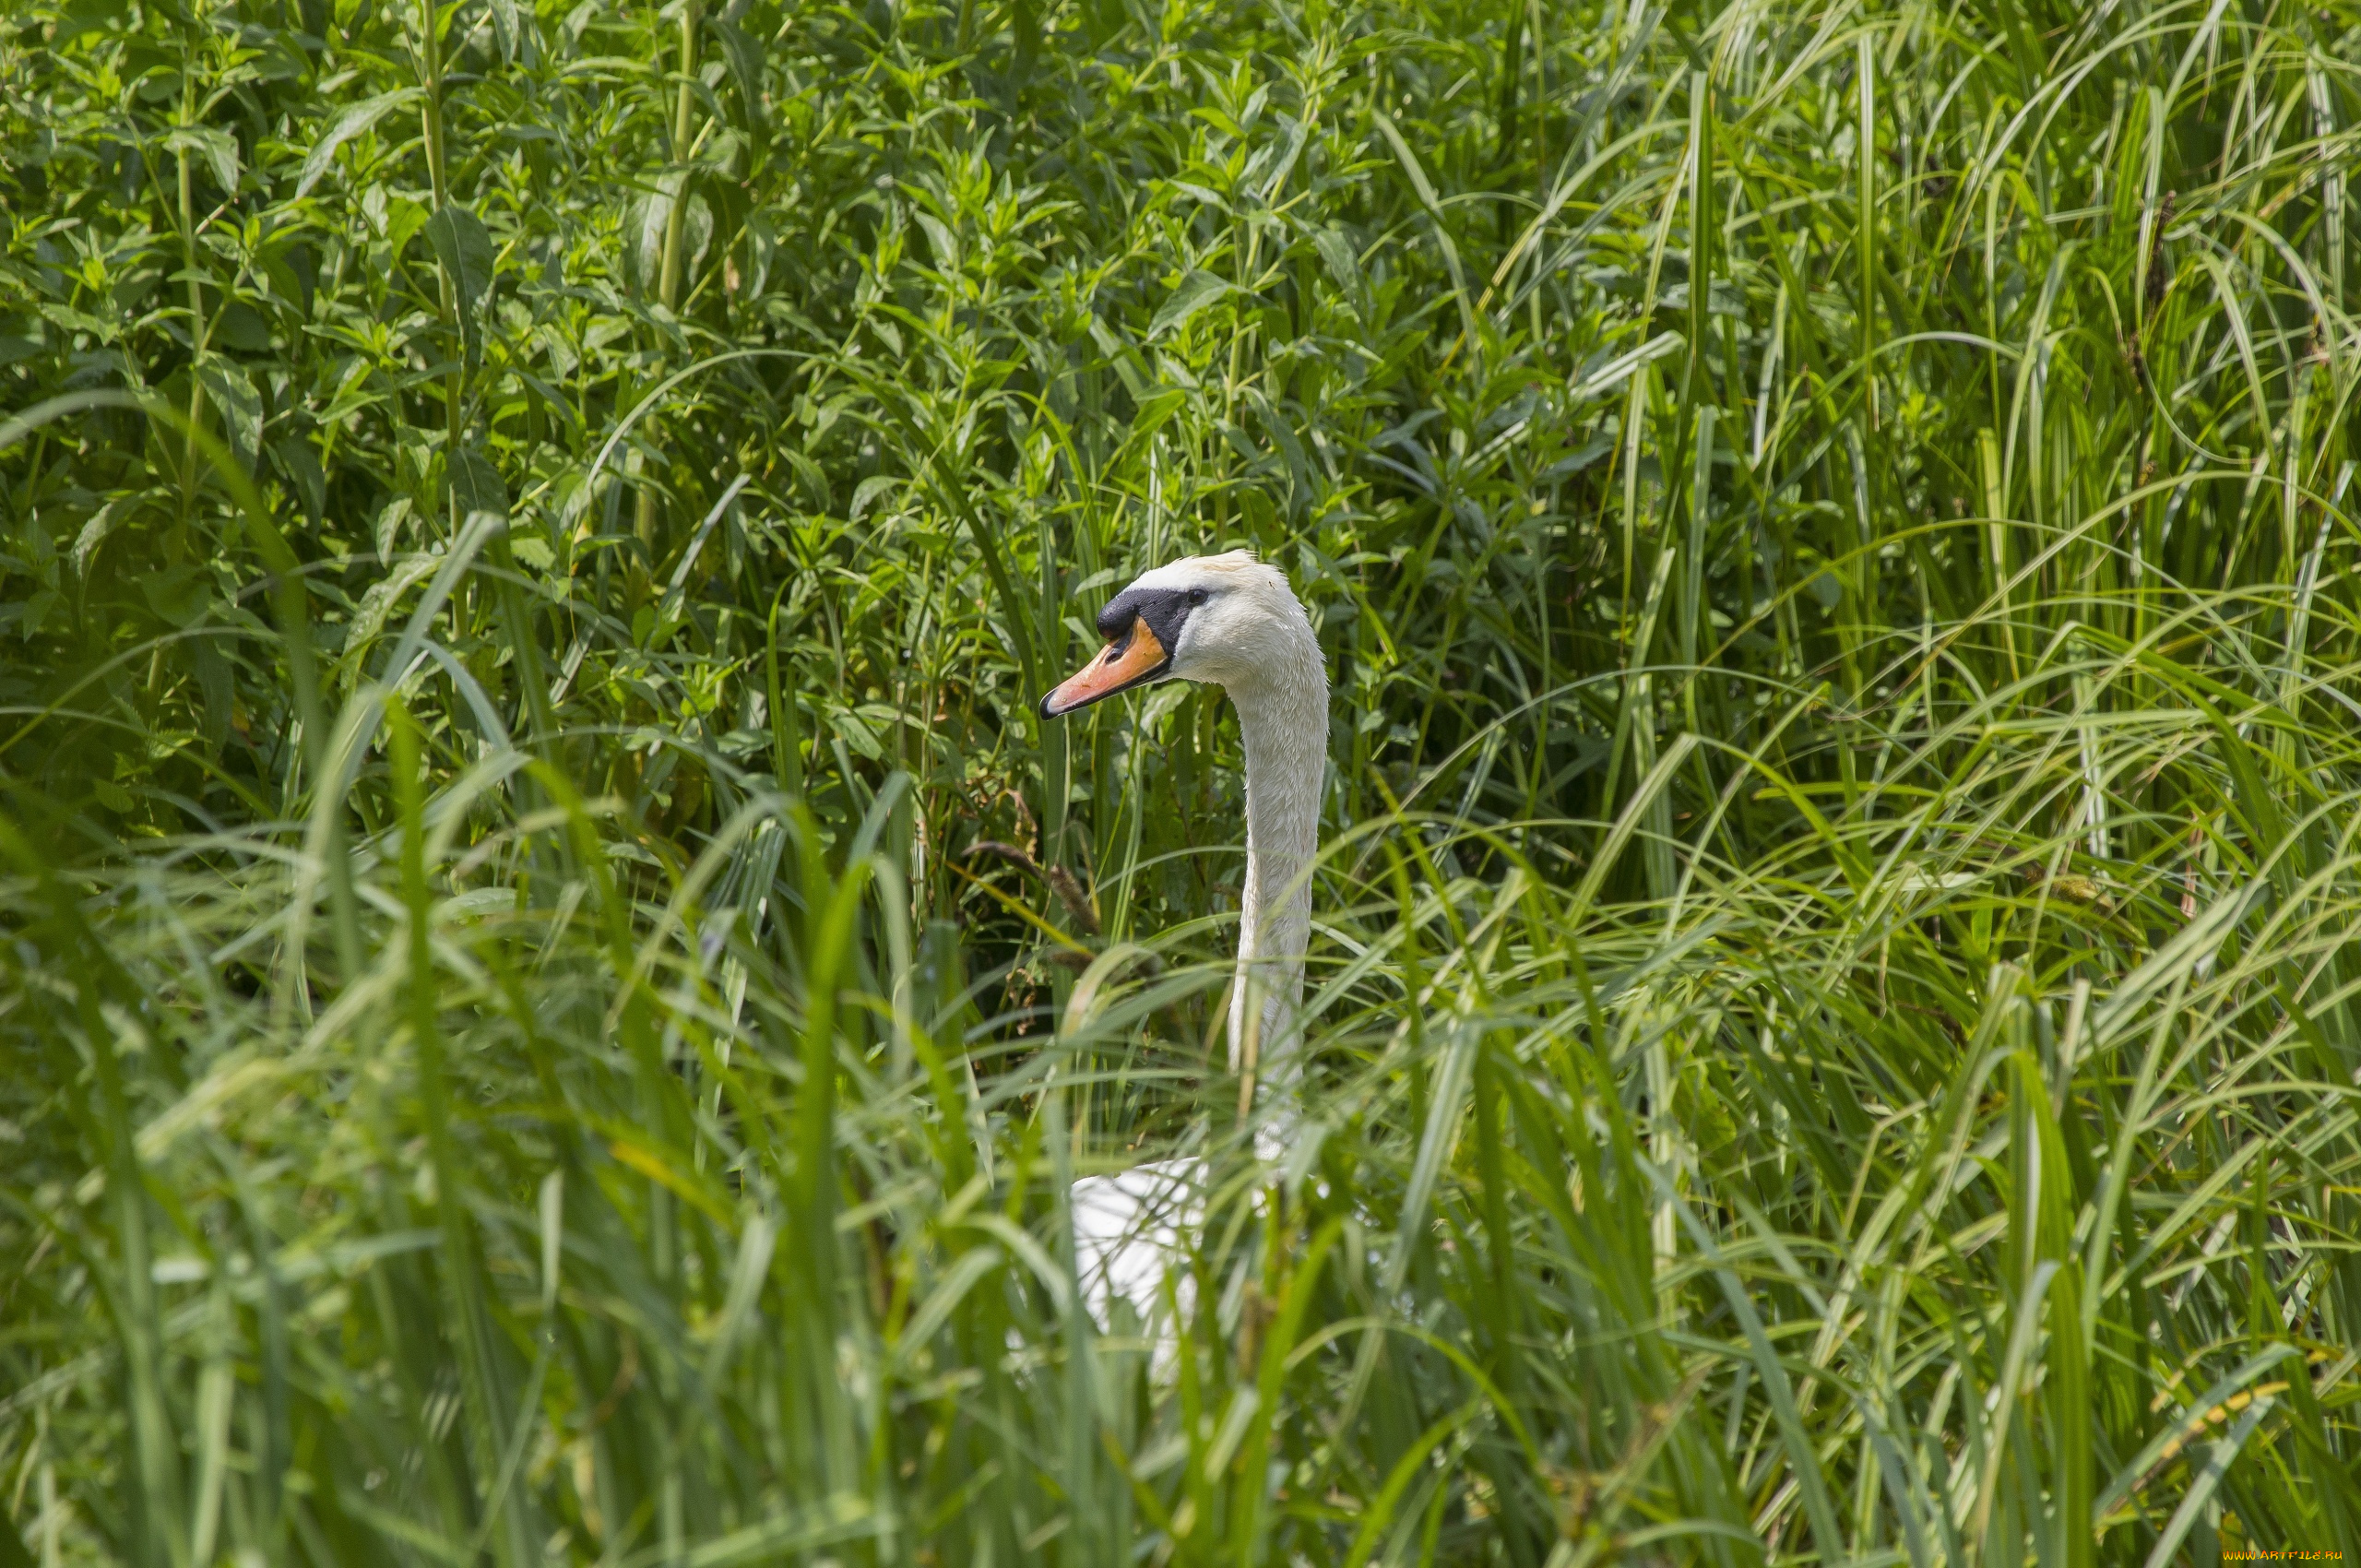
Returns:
point(1226, 620)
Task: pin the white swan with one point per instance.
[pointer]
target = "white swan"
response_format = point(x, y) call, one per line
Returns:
point(1232, 622)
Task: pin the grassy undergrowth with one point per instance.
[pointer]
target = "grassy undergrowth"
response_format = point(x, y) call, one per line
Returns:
point(532, 531)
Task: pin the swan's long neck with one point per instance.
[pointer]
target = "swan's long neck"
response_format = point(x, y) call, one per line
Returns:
point(1283, 719)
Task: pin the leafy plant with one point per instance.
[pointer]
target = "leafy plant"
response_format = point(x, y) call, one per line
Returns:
point(556, 987)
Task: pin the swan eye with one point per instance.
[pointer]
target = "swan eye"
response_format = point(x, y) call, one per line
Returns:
point(1196, 596)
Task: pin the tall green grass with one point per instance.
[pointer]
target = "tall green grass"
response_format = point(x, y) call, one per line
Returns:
point(533, 536)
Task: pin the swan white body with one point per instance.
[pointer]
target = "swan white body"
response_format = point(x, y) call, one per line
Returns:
point(1232, 622)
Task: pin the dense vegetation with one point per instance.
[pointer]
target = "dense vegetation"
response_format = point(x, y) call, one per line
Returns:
point(554, 983)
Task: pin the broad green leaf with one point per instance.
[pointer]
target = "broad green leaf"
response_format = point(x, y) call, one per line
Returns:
point(1194, 292)
point(464, 249)
point(351, 123)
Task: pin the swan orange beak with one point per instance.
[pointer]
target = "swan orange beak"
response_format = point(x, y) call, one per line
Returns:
point(1130, 660)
